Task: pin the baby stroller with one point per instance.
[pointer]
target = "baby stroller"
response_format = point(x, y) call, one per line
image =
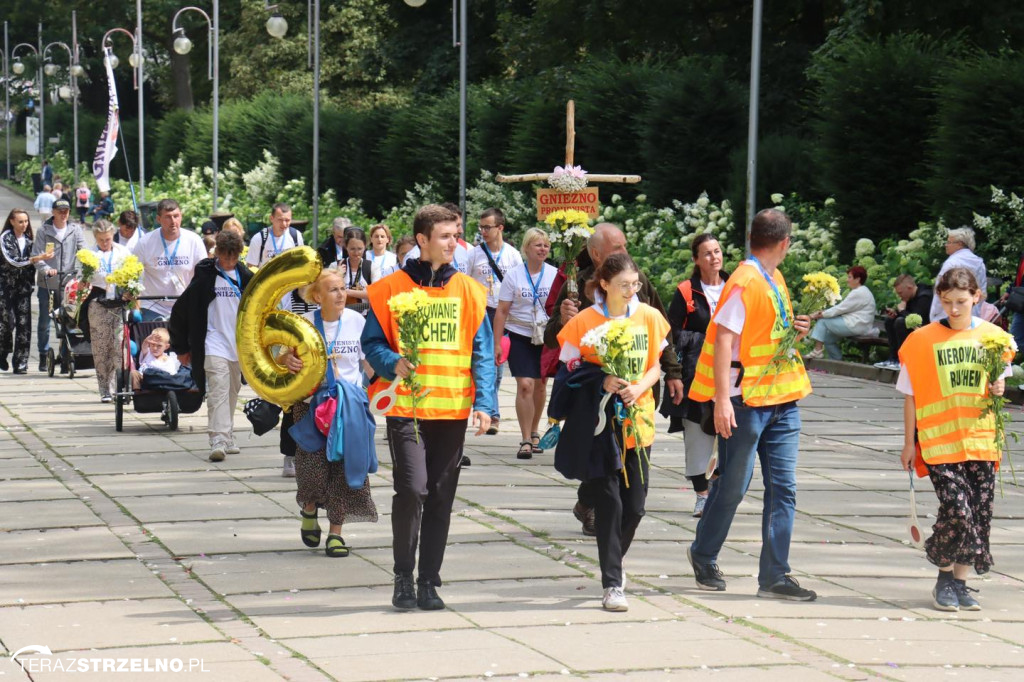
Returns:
point(168, 403)
point(73, 351)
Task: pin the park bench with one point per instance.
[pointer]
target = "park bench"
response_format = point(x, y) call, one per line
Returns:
point(866, 342)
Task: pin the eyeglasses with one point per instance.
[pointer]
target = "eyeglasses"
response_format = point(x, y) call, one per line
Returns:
point(629, 287)
point(487, 227)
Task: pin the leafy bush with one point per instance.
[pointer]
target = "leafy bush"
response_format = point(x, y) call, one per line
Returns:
point(978, 134)
point(874, 102)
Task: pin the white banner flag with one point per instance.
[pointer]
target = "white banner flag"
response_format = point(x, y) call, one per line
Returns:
point(32, 136)
point(106, 150)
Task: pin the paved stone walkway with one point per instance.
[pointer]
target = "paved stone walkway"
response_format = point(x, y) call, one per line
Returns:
point(133, 546)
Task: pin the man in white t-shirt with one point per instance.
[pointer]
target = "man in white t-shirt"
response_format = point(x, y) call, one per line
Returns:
point(169, 257)
point(202, 328)
point(488, 264)
point(276, 239)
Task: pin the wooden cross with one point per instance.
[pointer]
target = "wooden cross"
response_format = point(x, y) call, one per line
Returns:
point(570, 150)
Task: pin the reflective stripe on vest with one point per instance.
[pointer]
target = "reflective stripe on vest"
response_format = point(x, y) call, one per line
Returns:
point(446, 356)
point(949, 383)
point(762, 331)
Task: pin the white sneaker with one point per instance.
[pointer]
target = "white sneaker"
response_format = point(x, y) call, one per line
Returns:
point(232, 448)
point(698, 506)
point(814, 354)
point(614, 600)
point(106, 399)
point(288, 469)
point(217, 452)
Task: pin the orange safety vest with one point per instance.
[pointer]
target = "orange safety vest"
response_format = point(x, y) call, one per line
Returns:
point(650, 329)
point(446, 354)
point(762, 330)
point(949, 382)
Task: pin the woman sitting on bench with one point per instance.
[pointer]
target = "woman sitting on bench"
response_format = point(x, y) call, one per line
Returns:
point(853, 316)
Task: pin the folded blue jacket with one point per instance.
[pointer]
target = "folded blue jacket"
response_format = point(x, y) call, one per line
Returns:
point(576, 398)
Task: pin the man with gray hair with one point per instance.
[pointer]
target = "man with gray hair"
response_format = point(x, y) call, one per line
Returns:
point(960, 249)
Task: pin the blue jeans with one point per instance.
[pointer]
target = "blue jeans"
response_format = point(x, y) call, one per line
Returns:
point(773, 433)
point(1017, 328)
point(829, 330)
point(43, 323)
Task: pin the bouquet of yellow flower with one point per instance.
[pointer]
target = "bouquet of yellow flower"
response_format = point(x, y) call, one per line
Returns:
point(90, 263)
point(410, 311)
point(128, 277)
point(611, 342)
point(821, 290)
point(997, 351)
point(569, 234)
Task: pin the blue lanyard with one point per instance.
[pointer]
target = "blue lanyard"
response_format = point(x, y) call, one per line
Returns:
point(775, 289)
point(604, 308)
point(170, 257)
point(108, 265)
point(273, 243)
point(236, 285)
point(540, 278)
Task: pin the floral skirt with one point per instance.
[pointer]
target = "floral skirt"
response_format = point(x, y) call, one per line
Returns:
point(322, 482)
point(966, 491)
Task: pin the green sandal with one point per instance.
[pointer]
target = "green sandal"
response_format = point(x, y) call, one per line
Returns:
point(310, 536)
point(336, 546)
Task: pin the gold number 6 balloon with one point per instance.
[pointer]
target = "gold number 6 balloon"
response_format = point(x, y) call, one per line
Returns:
point(261, 325)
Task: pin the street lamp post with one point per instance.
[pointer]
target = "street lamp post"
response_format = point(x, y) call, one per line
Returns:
point(277, 27)
point(74, 70)
point(182, 45)
point(7, 105)
point(460, 38)
point(18, 68)
point(755, 91)
point(135, 60)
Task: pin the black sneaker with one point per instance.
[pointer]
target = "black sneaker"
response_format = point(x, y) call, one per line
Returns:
point(427, 599)
point(42, 364)
point(708, 576)
point(944, 594)
point(787, 588)
point(963, 596)
point(405, 594)
point(3, 362)
point(466, 461)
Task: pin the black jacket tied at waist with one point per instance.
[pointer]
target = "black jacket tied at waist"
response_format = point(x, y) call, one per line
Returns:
point(576, 398)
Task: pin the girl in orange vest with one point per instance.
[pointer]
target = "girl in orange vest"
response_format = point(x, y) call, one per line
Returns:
point(945, 385)
point(621, 494)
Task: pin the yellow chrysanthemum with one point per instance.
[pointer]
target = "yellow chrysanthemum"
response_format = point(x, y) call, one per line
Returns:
point(566, 219)
point(88, 258)
point(820, 281)
point(408, 302)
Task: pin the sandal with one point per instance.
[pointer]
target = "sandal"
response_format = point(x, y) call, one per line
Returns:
point(336, 546)
point(310, 538)
point(525, 450)
point(537, 449)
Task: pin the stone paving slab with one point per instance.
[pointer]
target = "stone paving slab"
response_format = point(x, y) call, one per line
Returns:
point(53, 583)
point(347, 611)
point(220, 662)
point(277, 573)
point(45, 514)
point(126, 622)
point(651, 645)
point(33, 489)
point(420, 655)
point(199, 507)
point(160, 484)
point(61, 544)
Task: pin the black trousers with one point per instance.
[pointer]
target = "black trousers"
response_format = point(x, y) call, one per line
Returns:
point(16, 327)
point(896, 332)
point(617, 513)
point(426, 475)
point(287, 442)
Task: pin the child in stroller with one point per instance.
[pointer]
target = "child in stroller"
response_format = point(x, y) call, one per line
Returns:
point(156, 362)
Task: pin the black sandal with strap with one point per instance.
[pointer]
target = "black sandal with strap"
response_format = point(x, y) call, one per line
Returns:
point(537, 449)
point(310, 538)
point(525, 450)
point(336, 550)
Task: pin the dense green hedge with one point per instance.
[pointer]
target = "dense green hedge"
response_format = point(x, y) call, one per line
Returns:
point(897, 130)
